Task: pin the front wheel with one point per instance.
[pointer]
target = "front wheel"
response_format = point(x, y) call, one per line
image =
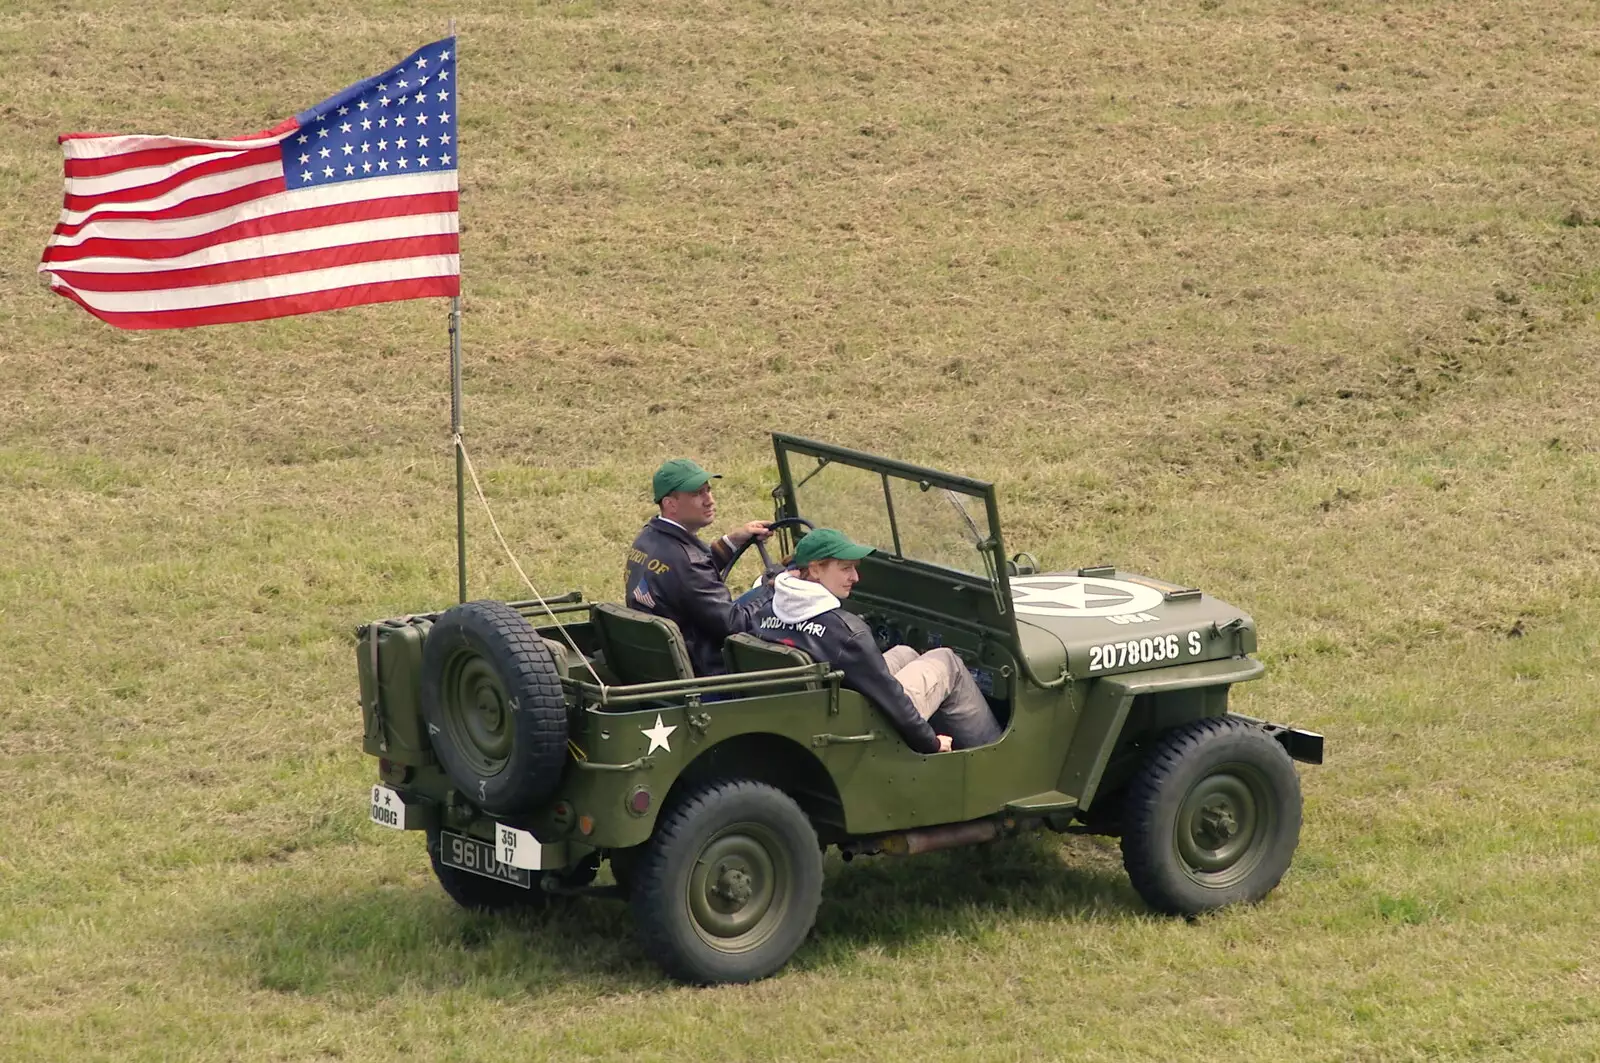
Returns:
point(728, 885)
point(1212, 819)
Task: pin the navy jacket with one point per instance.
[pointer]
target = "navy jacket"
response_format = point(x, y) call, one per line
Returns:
point(671, 573)
point(843, 640)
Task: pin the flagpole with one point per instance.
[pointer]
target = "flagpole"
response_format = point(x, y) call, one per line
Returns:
point(455, 399)
point(455, 433)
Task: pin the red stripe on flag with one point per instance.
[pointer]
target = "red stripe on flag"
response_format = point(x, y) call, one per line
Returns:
point(254, 157)
point(189, 208)
point(134, 160)
point(286, 222)
point(267, 266)
point(288, 125)
point(283, 306)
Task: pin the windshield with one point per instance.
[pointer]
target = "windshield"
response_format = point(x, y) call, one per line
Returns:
point(899, 515)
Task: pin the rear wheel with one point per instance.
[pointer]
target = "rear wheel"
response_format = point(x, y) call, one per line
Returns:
point(478, 893)
point(483, 894)
point(728, 885)
point(1212, 819)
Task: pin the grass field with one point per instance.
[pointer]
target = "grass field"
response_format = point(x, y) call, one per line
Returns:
point(1293, 302)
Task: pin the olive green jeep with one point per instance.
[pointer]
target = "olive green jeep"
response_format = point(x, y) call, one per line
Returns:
point(532, 741)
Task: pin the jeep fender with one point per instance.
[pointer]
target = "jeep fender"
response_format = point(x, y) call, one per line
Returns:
point(1106, 708)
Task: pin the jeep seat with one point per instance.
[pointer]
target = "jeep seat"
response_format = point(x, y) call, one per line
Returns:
point(749, 653)
point(640, 647)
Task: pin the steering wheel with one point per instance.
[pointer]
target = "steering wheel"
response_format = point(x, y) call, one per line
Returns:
point(769, 567)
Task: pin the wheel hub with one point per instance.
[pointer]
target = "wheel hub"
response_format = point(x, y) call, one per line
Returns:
point(1223, 825)
point(738, 889)
point(734, 886)
point(478, 713)
point(1217, 824)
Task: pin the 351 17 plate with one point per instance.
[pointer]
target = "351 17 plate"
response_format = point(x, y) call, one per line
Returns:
point(472, 855)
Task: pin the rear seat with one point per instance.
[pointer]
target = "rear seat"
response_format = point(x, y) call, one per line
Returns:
point(744, 652)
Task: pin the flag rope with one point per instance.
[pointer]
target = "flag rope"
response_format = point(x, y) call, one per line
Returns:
point(461, 448)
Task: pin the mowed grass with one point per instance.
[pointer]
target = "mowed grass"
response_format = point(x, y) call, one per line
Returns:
point(1291, 302)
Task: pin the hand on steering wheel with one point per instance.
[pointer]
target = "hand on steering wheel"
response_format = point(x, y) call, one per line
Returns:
point(769, 567)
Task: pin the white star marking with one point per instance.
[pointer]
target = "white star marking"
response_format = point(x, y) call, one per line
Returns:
point(327, 171)
point(344, 127)
point(361, 105)
point(658, 736)
point(366, 123)
point(348, 150)
point(444, 75)
point(444, 55)
point(304, 158)
point(384, 100)
point(383, 164)
point(349, 169)
point(444, 138)
point(343, 111)
point(306, 176)
point(401, 162)
point(301, 139)
point(1073, 596)
point(322, 132)
point(422, 62)
point(366, 167)
point(1081, 597)
point(323, 153)
point(443, 95)
point(444, 160)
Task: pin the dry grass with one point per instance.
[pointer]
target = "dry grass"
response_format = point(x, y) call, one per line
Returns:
point(1295, 303)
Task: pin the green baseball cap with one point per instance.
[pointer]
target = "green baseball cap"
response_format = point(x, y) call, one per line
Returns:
point(679, 474)
point(821, 543)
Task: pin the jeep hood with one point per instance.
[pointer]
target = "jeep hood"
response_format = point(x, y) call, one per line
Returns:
point(1099, 621)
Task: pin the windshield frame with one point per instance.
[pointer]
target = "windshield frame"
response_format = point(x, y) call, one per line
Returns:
point(992, 549)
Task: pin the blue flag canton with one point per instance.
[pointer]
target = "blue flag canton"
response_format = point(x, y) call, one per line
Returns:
point(399, 122)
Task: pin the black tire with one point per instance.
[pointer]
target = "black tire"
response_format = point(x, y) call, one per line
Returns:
point(492, 698)
point(727, 887)
point(482, 894)
point(1212, 818)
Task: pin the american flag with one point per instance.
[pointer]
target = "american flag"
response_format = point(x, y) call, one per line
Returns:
point(353, 201)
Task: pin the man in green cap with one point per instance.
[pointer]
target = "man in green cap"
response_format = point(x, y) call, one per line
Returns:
point(931, 698)
point(671, 573)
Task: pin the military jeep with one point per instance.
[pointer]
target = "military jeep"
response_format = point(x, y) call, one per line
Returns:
point(532, 741)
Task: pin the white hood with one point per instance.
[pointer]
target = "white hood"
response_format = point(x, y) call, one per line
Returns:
point(795, 599)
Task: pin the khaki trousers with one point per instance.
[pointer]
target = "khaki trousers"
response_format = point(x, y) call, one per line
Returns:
point(939, 685)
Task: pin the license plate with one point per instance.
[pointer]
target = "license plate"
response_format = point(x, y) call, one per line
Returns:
point(469, 854)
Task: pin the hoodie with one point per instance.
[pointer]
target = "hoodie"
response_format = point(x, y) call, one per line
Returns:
point(803, 614)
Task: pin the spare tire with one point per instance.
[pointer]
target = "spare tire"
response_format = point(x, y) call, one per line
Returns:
point(492, 699)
